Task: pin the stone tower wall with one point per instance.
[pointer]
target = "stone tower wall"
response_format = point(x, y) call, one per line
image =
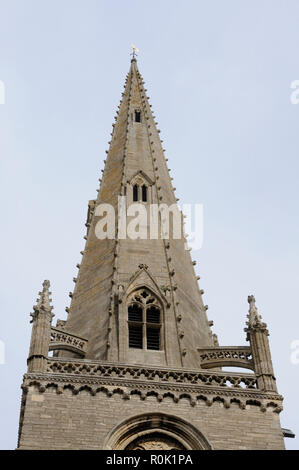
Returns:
point(83, 421)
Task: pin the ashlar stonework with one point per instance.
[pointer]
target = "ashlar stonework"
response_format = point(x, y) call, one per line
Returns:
point(136, 364)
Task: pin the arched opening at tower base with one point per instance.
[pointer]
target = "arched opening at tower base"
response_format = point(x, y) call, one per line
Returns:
point(156, 431)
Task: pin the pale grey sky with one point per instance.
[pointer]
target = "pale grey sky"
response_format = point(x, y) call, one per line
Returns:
point(219, 76)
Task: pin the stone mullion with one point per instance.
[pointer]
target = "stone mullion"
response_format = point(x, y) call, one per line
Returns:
point(144, 337)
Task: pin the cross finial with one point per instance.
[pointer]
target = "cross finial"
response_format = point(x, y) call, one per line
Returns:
point(134, 53)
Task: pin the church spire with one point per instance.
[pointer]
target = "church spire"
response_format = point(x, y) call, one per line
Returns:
point(136, 172)
point(136, 366)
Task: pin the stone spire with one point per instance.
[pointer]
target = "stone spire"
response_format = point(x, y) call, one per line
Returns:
point(110, 268)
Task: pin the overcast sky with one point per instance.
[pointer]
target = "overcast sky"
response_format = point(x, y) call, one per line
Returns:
point(219, 75)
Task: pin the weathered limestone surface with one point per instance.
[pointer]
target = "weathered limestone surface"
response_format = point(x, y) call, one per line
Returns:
point(83, 421)
point(136, 149)
point(99, 393)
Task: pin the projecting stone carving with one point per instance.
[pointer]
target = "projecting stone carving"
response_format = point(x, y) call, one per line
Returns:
point(155, 441)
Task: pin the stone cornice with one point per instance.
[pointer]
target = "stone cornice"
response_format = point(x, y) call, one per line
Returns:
point(145, 388)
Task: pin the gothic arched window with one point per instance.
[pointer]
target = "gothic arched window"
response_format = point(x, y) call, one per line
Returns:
point(139, 188)
point(135, 192)
point(144, 320)
point(137, 115)
point(144, 193)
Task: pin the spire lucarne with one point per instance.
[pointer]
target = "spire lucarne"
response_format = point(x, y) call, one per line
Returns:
point(135, 366)
point(108, 266)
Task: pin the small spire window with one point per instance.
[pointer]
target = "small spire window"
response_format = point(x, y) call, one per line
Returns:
point(135, 192)
point(140, 192)
point(140, 188)
point(137, 115)
point(144, 193)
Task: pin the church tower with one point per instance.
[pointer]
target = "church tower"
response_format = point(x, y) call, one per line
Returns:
point(136, 365)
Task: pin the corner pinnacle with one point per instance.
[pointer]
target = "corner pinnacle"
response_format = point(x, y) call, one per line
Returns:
point(44, 300)
point(254, 318)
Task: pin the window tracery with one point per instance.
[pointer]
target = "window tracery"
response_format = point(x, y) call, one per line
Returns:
point(141, 188)
point(144, 320)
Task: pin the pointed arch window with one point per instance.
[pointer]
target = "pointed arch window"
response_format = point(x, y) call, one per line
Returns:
point(144, 193)
point(144, 321)
point(135, 192)
point(140, 189)
point(137, 115)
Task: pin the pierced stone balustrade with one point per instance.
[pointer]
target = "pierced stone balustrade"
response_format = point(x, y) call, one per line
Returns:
point(227, 356)
point(62, 340)
point(140, 374)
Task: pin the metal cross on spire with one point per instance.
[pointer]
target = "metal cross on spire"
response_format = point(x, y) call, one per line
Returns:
point(135, 50)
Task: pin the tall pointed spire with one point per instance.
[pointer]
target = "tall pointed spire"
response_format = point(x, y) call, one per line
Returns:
point(136, 159)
